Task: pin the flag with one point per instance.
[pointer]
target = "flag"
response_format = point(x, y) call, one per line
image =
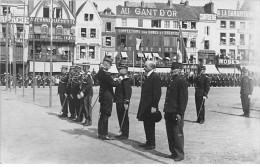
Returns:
point(138, 43)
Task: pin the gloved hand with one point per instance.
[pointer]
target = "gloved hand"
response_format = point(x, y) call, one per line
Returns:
point(249, 96)
point(204, 97)
point(65, 94)
point(71, 96)
point(78, 96)
point(153, 110)
point(178, 118)
point(126, 106)
point(81, 94)
point(121, 78)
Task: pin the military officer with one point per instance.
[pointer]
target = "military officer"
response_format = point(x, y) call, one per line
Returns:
point(246, 91)
point(123, 93)
point(174, 107)
point(106, 96)
point(62, 90)
point(202, 87)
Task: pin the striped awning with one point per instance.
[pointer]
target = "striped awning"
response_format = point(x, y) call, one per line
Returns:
point(140, 54)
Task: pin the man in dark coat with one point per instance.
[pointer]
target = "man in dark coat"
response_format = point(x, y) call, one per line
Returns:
point(123, 93)
point(246, 91)
point(106, 96)
point(62, 90)
point(174, 107)
point(150, 97)
point(202, 87)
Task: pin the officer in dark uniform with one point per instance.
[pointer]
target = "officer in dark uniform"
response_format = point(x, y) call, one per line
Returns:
point(39, 79)
point(106, 96)
point(62, 90)
point(123, 93)
point(246, 91)
point(202, 87)
point(68, 89)
point(174, 107)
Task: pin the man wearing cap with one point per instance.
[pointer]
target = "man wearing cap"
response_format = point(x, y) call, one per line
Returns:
point(123, 93)
point(246, 91)
point(202, 86)
point(69, 98)
point(106, 96)
point(174, 107)
point(150, 97)
point(62, 90)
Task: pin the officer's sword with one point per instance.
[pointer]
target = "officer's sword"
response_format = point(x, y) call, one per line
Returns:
point(201, 107)
point(126, 109)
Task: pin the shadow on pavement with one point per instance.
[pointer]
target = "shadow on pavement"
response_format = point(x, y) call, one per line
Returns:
point(189, 121)
point(92, 132)
point(231, 114)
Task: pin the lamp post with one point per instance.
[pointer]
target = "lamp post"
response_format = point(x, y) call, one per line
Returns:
point(7, 48)
point(50, 94)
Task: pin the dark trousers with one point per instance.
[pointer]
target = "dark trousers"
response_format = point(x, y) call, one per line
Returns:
point(74, 106)
point(175, 135)
point(245, 104)
point(87, 108)
point(200, 113)
point(120, 115)
point(149, 128)
point(105, 112)
point(64, 105)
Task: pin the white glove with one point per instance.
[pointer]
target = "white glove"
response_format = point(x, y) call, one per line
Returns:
point(204, 97)
point(249, 96)
point(153, 110)
point(121, 78)
point(65, 94)
point(81, 94)
point(78, 96)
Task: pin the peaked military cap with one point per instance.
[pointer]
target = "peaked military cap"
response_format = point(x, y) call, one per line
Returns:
point(107, 59)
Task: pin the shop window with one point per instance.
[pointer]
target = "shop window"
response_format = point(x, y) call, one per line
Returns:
point(167, 24)
point(242, 39)
point(108, 26)
point(93, 33)
point(223, 38)
point(232, 39)
point(156, 23)
point(242, 25)
point(124, 22)
point(193, 25)
point(232, 53)
point(58, 13)
point(222, 24)
point(140, 22)
point(6, 10)
point(108, 41)
point(207, 30)
point(193, 43)
point(91, 52)
point(166, 41)
point(232, 24)
point(191, 59)
point(175, 24)
point(82, 52)
point(89, 17)
point(46, 12)
point(222, 53)
point(19, 32)
point(184, 25)
point(121, 40)
point(206, 44)
point(83, 32)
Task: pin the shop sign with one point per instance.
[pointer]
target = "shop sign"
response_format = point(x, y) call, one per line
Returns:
point(233, 13)
point(208, 17)
point(228, 61)
point(48, 20)
point(14, 19)
point(149, 49)
point(150, 32)
point(137, 11)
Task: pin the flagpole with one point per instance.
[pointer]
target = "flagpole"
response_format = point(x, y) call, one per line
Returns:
point(50, 94)
point(133, 66)
point(14, 60)
point(23, 42)
point(7, 49)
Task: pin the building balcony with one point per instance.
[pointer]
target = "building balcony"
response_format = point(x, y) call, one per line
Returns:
point(56, 38)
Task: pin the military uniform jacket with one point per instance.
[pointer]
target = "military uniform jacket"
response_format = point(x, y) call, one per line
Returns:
point(63, 83)
point(106, 85)
point(150, 96)
point(87, 85)
point(123, 91)
point(176, 96)
point(247, 86)
point(202, 85)
point(74, 86)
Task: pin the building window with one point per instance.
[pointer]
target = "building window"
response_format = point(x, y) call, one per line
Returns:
point(166, 41)
point(232, 53)
point(175, 24)
point(207, 30)
point(167, 24)
point(46, 12)
point(232, 39)
point(91, 52)
point(58, 13)
point(222, 53)
point(185, 40)
point(6, 10)
point(232, 24)
point(108, 26)
point(82, 52)
point(83, 32)
point(193, 25)
point(222, 38)
point(19, 32)
point(193, 43)
point(93, 33)
point(121, 40)
point(155, 40)
point(124, 22)
point(140, 22)
point(206, 44)
point(184, 25)
point(242, 25)
point(223, 24)
point(89, 17)
point(4, 31)
point(108, 41)
point(156, 23)
point(242, 39)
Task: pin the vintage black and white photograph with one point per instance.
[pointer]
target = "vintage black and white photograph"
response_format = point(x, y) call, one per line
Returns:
point(129, 82)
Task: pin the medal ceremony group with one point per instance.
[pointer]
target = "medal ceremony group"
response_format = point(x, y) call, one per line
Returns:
point(76, 91)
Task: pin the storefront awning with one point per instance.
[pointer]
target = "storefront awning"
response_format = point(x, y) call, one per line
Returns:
point(228, 70)
point(157, 56)
point(148, 55)
point(211, 69)
point(124, 54)
point(140, 54)
point(203, 54)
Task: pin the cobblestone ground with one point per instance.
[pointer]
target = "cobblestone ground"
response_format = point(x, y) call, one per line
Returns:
point(32, 132)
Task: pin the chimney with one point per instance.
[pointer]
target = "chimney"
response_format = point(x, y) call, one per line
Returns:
point(30, 6)
point(209, 8)
point(72, 6)
point(170, 3)
point(142, 4)
point(182, 2)
point(126, 3)
point(186, 3)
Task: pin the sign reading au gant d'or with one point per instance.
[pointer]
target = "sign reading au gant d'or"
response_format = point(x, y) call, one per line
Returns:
point(152, 12)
